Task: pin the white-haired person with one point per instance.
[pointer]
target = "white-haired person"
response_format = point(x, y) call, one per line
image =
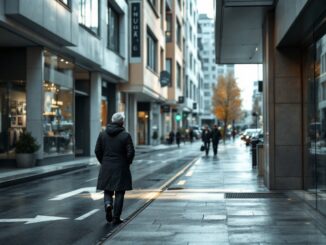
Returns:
point(115, 152)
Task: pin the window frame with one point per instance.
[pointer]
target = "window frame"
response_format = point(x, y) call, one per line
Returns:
point(118, 27)
point(65, 5)
point(97, 34)
point(150, 35)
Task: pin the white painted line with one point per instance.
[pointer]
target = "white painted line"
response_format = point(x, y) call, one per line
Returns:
point(37, 219)
point(91, 179)
point(84, 216)
point(73, 193)
point(189, 173)
point(181, 182)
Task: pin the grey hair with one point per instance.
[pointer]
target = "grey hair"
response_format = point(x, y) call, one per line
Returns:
point(118, 117)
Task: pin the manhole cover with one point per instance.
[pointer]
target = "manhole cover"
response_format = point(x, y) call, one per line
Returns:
point(253, 195)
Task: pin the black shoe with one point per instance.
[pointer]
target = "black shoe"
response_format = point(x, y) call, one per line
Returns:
point(117, 221)
point(108, 211)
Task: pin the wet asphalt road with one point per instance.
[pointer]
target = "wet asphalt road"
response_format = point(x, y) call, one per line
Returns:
point(81, 215)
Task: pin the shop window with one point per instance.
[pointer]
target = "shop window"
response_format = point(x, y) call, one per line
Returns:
point(58, 123)
point(57, 119)
point(12, 116)
point(113, 29)
point(89, 15)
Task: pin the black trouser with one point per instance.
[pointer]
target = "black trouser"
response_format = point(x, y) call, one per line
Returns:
point(215, 147)
point(118, 201)
point(207, 144)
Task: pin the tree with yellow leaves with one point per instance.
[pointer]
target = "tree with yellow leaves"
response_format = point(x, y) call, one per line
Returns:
point(226, 100)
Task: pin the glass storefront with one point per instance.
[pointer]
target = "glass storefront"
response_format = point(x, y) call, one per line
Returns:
point(12, 116)
point(58, 120)
point(314, 75)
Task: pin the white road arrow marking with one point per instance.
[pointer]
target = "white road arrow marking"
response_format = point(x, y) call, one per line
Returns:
point(73, 193)
point(37, 219)
point(87, 214)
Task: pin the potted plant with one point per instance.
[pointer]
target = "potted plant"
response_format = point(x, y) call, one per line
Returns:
point(25, 150)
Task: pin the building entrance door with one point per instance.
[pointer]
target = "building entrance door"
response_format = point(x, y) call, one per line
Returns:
point(82, 122)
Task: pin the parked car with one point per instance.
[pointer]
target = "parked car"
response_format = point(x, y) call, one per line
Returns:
point(249, 133)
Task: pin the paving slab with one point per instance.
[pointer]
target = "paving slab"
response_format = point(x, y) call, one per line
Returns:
point(194, 209)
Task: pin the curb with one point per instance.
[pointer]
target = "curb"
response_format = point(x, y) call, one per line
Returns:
point(19, 180)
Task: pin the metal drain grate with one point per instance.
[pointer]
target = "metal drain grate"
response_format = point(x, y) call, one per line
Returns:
point(175, 188)
point(253, 195)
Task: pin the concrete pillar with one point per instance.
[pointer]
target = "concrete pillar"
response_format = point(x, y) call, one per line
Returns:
point(132, 117)
point(34, 96)
point(283, 114)
point(95, 109)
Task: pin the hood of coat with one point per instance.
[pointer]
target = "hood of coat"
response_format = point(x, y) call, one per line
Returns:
point(114, 129)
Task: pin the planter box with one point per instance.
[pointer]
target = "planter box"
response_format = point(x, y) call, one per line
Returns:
point(25, 160)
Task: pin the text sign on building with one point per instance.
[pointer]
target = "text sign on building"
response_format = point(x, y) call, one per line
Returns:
point(135, 30)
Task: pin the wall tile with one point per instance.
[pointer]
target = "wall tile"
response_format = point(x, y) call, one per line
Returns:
point(288, 124)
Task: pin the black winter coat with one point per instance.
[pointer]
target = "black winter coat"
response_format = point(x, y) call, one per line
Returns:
point(115, 152)
point(206, 136)
point(216, 136)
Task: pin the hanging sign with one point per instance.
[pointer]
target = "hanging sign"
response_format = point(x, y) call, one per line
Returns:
point(135, 30)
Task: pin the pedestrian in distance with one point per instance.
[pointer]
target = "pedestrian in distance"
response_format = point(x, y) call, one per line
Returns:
point(115, 152)
point(171, 137)
point(178, 138)
point(216, 136)
point(234, 133)
point(191, 135)
point(206, 138)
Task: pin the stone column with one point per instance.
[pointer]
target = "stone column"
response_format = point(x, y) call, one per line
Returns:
point(132, 117)
point(95, 109)
point(34, 94)
point(283, 113)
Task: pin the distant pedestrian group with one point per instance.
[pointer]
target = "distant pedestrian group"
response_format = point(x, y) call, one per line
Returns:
point(213, 136)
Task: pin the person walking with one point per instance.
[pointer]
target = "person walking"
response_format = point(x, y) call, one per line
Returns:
point(191, 135)
point(171, 137)
point(178, 138)
point(216, 136)
point(206, 138)
point(115, 152)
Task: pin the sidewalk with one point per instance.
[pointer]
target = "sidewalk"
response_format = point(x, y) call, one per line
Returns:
point(11, 176)
point(195, 210)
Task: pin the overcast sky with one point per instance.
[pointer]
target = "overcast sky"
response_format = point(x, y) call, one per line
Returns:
point(245, 74)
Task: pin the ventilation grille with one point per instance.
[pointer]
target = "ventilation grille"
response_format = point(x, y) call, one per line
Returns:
point(253, 195)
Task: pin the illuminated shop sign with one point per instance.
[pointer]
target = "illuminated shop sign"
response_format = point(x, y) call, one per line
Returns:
point(135, 30)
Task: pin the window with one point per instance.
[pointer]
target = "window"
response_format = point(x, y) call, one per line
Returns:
point(206, 85)
point(168, 67)
point(190, 61)
point(151, 51)
point(113, 29)
point(178, 75)
point(89, 15)
point(168, 32)
point(179, 2)
point(178, 33)
point(207, 94)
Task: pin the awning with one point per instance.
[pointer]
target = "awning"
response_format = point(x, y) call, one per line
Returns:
point(238, 30)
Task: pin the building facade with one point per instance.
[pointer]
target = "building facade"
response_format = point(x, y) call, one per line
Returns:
point(175, 43)
point(192, 66)
point(61, 62)
point(288, 38)
point(210, 69)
